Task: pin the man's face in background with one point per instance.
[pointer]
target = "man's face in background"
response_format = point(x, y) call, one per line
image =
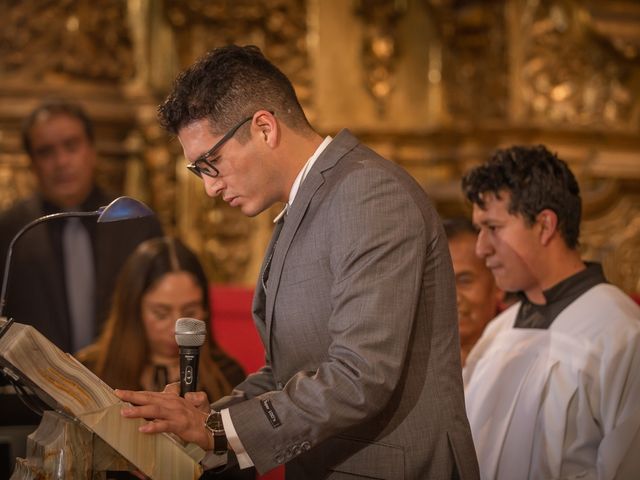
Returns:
point(478, 297)
point(63, 159)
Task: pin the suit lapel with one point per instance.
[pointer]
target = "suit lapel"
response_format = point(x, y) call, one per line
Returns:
point(339, 146)
point(259, 299)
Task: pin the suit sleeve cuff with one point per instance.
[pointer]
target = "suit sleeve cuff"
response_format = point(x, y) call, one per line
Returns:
point(211, 460)
point(244, 461)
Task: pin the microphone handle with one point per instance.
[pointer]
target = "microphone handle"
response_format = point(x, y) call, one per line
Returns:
point(188, 369)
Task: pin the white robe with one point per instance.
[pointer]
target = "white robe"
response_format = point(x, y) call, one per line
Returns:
point(562, 402)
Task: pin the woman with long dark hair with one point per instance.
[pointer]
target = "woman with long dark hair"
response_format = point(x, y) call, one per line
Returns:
point(160, 282)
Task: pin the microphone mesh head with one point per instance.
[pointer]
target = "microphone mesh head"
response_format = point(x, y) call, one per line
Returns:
point(190, 332)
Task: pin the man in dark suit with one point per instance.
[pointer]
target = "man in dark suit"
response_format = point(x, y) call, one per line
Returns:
point(48, 266)
point(355, 303)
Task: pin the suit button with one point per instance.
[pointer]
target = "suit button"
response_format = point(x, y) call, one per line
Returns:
point(296, 450)
point(305, 446)
point(279, 458)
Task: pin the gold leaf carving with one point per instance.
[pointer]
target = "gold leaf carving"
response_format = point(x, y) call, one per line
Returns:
point(230, 243)
point(57, 41)
point(474, 58)
point(573, 72)
point(380, 47)
point(612, 237)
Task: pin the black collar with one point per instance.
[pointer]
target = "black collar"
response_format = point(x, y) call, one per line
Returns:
point(558, 297)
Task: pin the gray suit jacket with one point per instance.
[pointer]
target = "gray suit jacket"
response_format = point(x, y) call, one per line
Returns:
point(362, 376)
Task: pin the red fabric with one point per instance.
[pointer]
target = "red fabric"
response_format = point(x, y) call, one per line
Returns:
point(233, 327)
point(234, 331)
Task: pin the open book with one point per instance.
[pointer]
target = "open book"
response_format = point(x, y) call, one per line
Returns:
point(67, 386)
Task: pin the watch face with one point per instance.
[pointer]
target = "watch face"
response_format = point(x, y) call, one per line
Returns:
point(214, 421)
point(214, 424)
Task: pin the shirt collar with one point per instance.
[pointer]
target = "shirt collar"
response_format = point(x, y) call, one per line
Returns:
point(558, 297)
point(577, 283)
point(302, 175)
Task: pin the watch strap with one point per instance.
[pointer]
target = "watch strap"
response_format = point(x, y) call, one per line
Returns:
point(214, 424)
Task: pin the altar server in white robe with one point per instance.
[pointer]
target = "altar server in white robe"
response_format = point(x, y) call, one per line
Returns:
point(553, 385)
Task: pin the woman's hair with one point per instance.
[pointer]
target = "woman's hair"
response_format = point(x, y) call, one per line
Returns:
point(122, 351)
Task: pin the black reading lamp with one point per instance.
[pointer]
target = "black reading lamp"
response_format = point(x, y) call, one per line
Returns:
point(122, 208)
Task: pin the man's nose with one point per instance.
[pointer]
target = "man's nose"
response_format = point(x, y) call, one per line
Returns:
point(61, 157)
point(213, 186)
point(483, 245)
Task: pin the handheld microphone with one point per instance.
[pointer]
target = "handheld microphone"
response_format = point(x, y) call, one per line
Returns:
point(190, 335)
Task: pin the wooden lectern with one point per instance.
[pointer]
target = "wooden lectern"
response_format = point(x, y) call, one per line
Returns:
point(84, 435)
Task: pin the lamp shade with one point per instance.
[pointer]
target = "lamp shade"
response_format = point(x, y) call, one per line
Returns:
point(123, 208)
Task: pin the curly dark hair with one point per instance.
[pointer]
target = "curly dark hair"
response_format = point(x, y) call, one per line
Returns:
point(536, 179)
point(228, 84)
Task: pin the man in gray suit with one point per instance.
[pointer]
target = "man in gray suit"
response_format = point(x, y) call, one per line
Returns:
point(355, 303)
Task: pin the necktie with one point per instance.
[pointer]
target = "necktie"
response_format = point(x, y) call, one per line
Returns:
point(80, 281)
point(267, 268)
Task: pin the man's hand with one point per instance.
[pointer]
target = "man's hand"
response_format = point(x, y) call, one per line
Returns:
point(170, 413)
point(198, 399)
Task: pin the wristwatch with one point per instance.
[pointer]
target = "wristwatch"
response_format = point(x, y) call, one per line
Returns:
point(213, 423)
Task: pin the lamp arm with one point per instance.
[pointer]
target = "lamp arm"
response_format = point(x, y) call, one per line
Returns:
point(23, 230)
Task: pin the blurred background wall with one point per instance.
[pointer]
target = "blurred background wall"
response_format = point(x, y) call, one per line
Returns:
point(435, 85)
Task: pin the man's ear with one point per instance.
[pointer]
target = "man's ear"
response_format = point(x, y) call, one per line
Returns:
point(548, 221)
point(268, 127)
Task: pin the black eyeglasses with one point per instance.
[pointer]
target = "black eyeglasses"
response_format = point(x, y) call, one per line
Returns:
point(202, 166)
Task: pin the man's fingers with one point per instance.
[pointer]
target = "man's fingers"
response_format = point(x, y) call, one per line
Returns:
point(156, 426)
point(162, 408)
point(138, 398)
point(186, 431)
point(173, 388)
point(144, 411)
point(198, 400)
point(168, 413)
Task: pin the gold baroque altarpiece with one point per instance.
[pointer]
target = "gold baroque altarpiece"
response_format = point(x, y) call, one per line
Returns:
point(435, 85)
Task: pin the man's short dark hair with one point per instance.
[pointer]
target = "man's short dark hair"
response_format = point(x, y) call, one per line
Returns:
point(457, 226)
point(227, 85)
point(536, 179)
point(56, 107)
